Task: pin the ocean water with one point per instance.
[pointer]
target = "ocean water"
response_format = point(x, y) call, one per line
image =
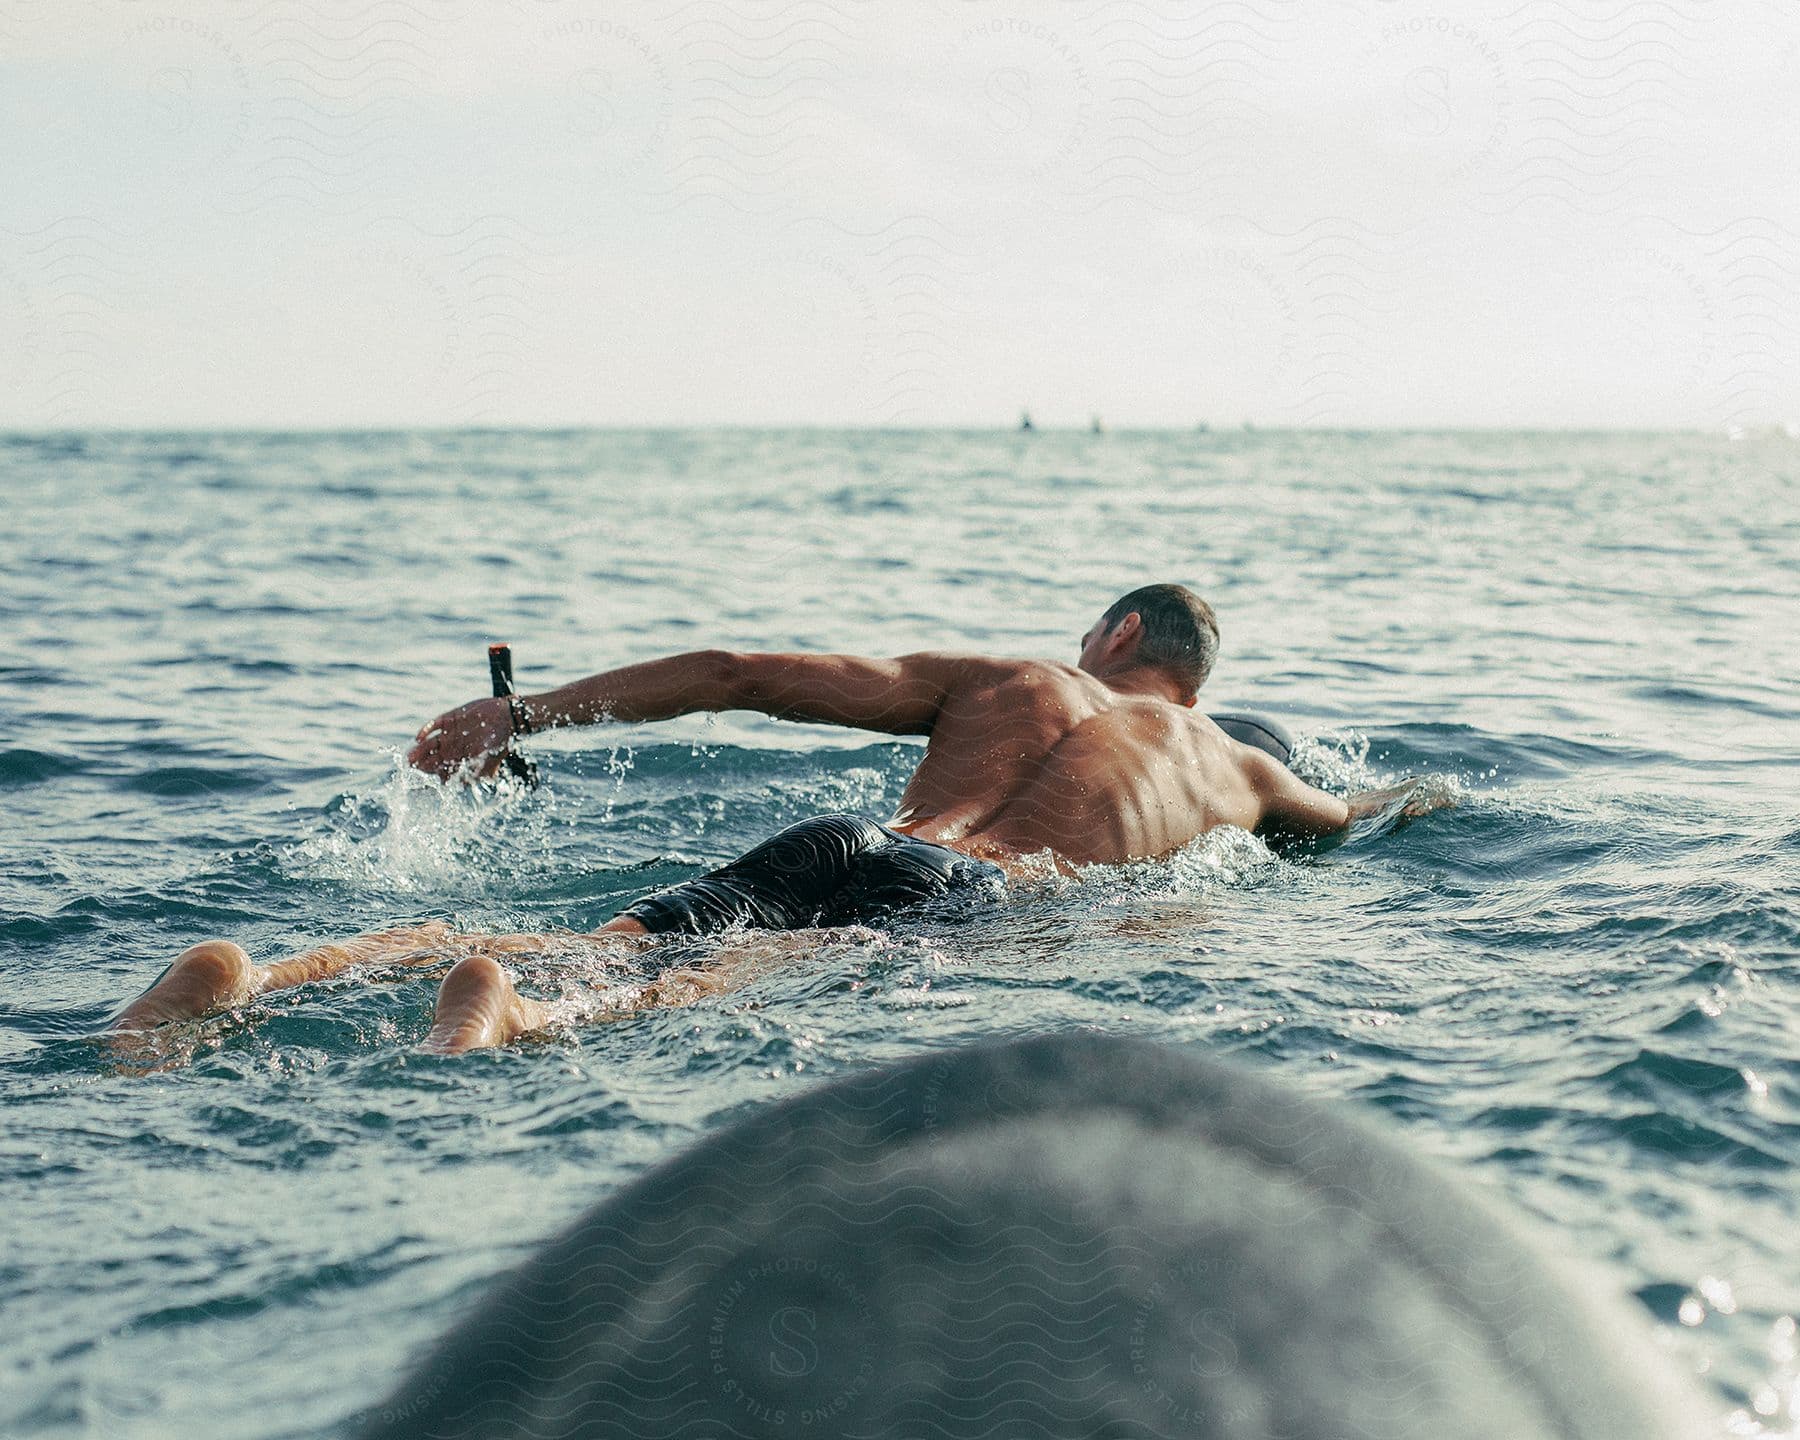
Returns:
point(1579, 988)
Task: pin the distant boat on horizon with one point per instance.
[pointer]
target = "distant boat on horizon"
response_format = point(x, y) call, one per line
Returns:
point(1025, 420)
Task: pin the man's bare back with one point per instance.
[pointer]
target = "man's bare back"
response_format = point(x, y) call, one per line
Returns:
point(1030, 756)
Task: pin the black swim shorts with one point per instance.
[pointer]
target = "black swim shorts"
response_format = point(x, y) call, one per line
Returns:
point(831, 870)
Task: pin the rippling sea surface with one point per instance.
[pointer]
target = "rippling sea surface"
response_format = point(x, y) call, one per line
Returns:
point(1580, 988)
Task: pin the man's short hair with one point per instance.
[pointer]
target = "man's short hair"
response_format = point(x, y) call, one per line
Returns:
point(1181, 634)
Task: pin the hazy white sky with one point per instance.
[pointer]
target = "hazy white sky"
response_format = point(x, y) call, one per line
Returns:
point(397, 212)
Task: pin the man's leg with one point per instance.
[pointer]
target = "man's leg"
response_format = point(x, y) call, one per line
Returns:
point(217, 974)
point(772, 886)
point(777, 885)
point(479, 1006)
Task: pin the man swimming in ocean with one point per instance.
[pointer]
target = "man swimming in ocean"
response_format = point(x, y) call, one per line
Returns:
point(1029, 763)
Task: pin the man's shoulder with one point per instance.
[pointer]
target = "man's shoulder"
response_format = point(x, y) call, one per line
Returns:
point(974, 669)
point(1181, 732)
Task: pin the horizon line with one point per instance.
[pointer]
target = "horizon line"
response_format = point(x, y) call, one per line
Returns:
point(1723, 431)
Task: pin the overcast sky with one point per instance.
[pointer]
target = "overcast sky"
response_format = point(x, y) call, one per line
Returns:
point(894, 212)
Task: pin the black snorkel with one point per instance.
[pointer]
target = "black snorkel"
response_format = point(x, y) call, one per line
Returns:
point(501, 673)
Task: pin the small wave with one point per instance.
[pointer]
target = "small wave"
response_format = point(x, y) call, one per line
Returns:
point(28, 677)
point(177, 781)
point(1676, 1138)
point(31, 767)
point(1651, 1073)
point(1714, 969)
point(867, 500)
point(575, 1115)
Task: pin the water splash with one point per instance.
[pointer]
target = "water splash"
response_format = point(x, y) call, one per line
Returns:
point(413, 834)
point(1335, 762)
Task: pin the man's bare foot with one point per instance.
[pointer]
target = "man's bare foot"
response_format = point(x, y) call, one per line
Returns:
point(477, 1006)
point(213, 975)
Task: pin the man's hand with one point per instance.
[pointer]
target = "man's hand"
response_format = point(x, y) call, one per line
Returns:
point(478, 731)
point(1432, 794)
point(1420, 795)
point(1380, 804)
point(1292, 810)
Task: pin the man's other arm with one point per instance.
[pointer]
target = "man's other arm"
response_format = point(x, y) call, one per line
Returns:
point(901, 696)
point(1292, 809)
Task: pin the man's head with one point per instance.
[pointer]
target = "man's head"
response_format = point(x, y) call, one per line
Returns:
point(1157, 627)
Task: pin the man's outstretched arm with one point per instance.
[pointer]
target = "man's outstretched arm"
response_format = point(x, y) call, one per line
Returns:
point(898, 697)
point(1294, 810)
